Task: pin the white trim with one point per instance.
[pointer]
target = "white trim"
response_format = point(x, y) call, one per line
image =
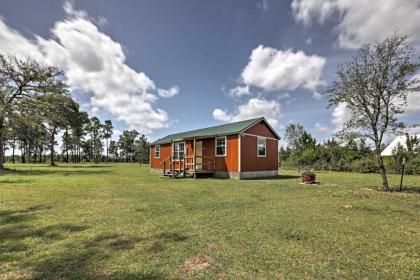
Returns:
point(265, 146)
point(173, 148)
point(156, 150)
point(215, 146)
point(266, 122)
point(254, 135)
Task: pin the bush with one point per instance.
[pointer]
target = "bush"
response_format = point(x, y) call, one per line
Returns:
point(364, 165)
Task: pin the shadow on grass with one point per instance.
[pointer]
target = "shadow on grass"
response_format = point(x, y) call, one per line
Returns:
point(278, 177)
point(88, 260)
point(77, 257)
point(79, 166)
point(36, 172)
point(8, 182)
point(407, 189)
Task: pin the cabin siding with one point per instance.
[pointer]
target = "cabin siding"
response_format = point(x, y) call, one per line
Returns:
point(261, 129)
point(228, 163)
point(249, 159)
point(241, 160)
point(165, 152)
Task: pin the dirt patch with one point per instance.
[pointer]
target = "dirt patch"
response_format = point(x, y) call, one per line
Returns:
point(198, 263)
point(15, 273)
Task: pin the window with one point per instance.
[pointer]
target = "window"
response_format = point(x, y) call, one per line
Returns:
point(157, 151)
point(221, 146)
point(179, 150)
point(261, 147)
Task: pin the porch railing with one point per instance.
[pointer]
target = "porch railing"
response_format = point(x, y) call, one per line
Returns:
point(188, 164)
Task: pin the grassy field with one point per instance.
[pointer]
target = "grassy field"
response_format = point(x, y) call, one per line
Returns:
point(123, 222)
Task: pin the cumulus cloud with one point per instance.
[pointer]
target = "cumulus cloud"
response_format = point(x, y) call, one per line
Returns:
point(168, 93)
point(319, 127)
point(263, 4)
point(361, 21)
point(273, 69)
point(239, 91)
point(95, 64)
point(316, 95)
point(254, 108)
point(413, 102)
point(340, 116)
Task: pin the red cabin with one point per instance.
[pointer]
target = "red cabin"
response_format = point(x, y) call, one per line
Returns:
point(245, 149)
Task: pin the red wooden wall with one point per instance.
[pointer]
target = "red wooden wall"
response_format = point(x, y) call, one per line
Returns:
point(261, 129)
point(229, 163)
point(249, 159)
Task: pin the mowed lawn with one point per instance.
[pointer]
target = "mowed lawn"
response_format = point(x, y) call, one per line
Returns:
point(122, 222)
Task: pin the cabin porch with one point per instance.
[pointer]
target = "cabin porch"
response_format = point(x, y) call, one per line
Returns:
point(188, 159)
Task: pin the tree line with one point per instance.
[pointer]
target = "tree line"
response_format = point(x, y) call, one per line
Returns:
point(36, 105)
point(336, 154)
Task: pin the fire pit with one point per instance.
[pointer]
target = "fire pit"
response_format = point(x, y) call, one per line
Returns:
point(308, 178)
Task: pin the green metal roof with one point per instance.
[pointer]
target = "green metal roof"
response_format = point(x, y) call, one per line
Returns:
point(225, 129)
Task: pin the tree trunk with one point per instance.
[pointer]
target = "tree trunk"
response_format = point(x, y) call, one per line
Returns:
point(40, 154)
point(107, 158)
point(380, 160)
point(36, 151)
point(1, 143)
point(22, 151)
point(52, 162)
point(13, 151)
point(66, 145)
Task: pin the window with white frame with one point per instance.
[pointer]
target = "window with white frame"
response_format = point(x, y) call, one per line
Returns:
point(179, 150)
point(221, 146)
point(261, 147)
point(157, 151)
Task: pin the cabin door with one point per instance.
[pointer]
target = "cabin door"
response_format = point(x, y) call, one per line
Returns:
point(199, 154)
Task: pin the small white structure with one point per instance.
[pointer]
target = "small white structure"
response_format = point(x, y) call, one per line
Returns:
point(400, 140)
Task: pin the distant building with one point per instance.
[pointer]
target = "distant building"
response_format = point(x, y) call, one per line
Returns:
point(400, 140)
point(246, 149)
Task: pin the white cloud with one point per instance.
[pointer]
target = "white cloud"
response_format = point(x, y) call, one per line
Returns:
point(362, 21)
point(273, 69)
point(168, 93)
point(319, 127)
point(263, 4)
point(413, 104)
point(96, 65)
point(239, 91)
point(254, 108)
point(316, 95)
point(283, 96)
point(308, 41)
point(340, 116)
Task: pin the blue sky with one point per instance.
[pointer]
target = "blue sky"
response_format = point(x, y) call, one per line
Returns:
point(167, 66)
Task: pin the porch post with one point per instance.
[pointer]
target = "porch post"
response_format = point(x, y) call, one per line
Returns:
point(194, 160)
point(239, 155)
point(172, 160)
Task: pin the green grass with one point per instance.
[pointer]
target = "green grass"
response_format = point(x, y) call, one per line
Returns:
point(122, 222)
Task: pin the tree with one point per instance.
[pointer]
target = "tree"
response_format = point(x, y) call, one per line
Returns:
point(126, 143)
point(57, 107)
point(292, 134)
point(94, 127)
point(23, 80)
point(106, 134)
point(297, 141)
point(78, 123)
point(374, 88)
point(141, 148)
point(113, 149)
